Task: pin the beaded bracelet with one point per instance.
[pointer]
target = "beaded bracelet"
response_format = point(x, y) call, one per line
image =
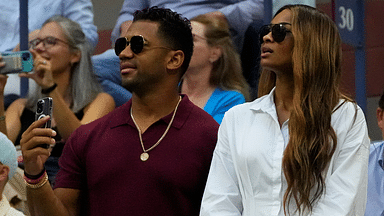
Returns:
point(48, 90)
point(39, 184)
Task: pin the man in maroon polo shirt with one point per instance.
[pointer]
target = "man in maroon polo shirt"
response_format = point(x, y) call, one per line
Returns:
point(151, 156)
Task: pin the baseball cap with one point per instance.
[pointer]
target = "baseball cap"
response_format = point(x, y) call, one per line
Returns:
point(8, 154)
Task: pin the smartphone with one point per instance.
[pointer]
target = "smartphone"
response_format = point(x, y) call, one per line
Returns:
point(17, 62)
point(44, 108)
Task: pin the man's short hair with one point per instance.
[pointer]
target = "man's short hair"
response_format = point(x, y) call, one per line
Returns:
point(381, 101)
point(175, 30)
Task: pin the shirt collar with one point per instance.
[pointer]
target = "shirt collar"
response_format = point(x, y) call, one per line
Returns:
point(265, 103)
point(181, 116)
point(380, 159)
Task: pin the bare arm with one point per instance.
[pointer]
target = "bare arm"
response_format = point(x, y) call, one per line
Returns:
point(43, 200)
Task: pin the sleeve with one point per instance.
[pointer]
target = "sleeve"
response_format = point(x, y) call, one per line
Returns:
point(222, 194)
point(346, 185)
point(126, 14)
point(81, 11)
point(240, 15)
point(224, 104)
point(72, 172)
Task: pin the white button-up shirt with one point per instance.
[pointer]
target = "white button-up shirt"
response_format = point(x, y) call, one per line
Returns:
point(246, 176)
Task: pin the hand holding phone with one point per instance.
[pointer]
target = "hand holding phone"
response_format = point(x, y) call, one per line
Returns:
point(44, 108)
point(16, 62)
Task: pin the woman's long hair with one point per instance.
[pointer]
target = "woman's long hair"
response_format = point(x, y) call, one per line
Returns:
point(226, 72)
point(84, 85)
point(316, 60)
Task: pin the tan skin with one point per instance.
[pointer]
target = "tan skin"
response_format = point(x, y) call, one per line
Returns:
point(57, 69)
point(280, 62)
point(196, 80)
point(380, 119)
point(149, 105)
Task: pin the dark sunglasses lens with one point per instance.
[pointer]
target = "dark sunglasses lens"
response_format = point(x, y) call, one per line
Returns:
point(137, 44)
point(278, 33)
point(120, 45)
point(264, 30)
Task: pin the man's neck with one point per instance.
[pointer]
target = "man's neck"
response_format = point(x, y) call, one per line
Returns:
point(148, 109)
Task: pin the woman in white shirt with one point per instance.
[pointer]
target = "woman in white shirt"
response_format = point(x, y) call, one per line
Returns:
point(302, 147)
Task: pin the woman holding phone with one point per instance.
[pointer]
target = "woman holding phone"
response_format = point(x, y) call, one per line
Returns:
point(62, 71)
point(302, 147)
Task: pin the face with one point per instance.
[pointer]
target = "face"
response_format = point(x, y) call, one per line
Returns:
point(277, 56)
point(145, 69)
point(201, 57)
point(58, 53)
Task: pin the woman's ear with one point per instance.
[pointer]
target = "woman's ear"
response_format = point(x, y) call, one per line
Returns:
point(176, 60)
point(76, 56)
point(216, 53)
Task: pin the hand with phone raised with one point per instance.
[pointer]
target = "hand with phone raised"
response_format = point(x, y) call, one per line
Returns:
point(31, 141)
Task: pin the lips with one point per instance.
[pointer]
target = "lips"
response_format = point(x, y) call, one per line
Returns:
point(266, 50)
point(126, 67)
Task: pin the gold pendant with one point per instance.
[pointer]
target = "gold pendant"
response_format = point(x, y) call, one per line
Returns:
point(144, 156)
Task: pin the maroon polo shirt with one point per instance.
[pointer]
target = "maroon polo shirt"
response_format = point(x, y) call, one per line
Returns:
point(102, 159)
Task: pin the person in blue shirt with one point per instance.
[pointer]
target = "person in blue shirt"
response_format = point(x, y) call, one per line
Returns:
point(375, 196)
point(214, 79)
point(238, 13)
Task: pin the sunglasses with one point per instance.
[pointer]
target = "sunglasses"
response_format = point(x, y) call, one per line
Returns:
point(136, 43)
point(279, 31)
point(48, 42)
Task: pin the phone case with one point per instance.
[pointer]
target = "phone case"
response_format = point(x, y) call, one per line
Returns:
point(44, 108)
point(17, 62)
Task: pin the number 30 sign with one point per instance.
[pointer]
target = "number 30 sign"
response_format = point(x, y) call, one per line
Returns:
point(350, 21)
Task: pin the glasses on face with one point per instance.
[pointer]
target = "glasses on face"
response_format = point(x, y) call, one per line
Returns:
point(136, 43)
point(279, 31)
point(48, 42)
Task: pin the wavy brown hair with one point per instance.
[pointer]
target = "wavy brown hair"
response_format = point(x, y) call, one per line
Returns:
point(316, 60)
point(226, 72)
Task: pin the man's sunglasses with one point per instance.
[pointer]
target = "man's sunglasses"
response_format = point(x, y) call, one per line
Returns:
point(137, 43)
point(279, 31)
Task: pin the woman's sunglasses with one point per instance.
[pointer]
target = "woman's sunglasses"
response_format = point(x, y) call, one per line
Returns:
point(137, 43)
point(279, 31)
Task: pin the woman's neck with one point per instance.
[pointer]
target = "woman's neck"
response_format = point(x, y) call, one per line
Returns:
point(197, 86)
point(63, 81)
point(283, 97)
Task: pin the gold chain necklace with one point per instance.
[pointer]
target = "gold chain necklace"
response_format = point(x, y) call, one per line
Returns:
point(144, 156)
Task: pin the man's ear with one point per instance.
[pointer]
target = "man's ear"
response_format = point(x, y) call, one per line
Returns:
point(4, 171)
point(380, 118)
point(175, 61)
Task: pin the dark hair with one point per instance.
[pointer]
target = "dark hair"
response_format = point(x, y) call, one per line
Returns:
point(175, 30)
point(381, 101)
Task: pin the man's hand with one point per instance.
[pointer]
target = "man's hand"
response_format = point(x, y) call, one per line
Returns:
point(34, 156)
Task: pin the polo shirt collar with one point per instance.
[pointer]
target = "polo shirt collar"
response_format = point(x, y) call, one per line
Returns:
point(182, 113)
point(4, 205)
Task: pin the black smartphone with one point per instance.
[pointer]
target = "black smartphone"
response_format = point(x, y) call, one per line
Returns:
point(44, 108)
point(17, 62)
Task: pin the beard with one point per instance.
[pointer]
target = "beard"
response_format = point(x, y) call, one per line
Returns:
point(141, 83)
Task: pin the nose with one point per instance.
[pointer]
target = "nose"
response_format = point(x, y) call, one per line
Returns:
point(268, 37)
point(40, 47)
point(126, 53)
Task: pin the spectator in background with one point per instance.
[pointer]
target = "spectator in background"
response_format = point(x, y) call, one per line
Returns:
point(149, 156)
point(238, 14)
point(8, 166)
point(214, 80)
point(302, 147)
point(375, 198)
point(79, 11)
point(63, 71)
